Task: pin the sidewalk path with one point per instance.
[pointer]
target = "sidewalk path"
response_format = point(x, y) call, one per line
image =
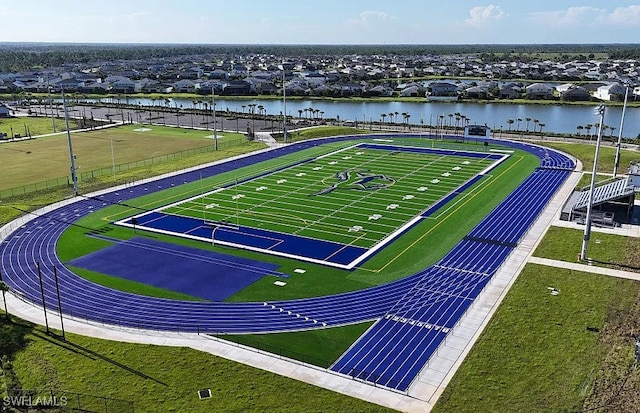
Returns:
point(586, 268)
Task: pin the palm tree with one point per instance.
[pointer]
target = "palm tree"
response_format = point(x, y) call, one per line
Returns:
point(535, 125)
point(4, 288)
point(383, 116)
point(206, 107)
point(390, 117)
point(395, 119)
point(450, 119)
point(518, 124)
point(527, 127)
point(541, 125)
point(243, 106)
point(299, 113)
point(612, 129)
point(588, 127)
point(510, 122)
point(580, 128)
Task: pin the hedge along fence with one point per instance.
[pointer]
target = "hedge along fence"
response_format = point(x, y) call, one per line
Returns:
point(96, 173)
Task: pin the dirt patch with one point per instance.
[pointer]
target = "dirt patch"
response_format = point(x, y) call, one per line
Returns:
point(616, 388)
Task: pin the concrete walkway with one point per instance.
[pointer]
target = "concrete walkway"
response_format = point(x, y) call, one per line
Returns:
point(266, 138)
point(586, 268)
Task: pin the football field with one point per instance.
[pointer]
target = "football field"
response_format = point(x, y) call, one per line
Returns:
point(336, 209)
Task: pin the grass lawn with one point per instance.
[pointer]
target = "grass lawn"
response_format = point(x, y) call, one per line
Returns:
point(160, 379)
point(42, 159)
point(318, 347)
point(34, 126)
point(607, 250)
point(536, 354)
point(323, 131)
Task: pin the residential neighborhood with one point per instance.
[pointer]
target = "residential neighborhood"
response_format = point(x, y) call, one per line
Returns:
point(436, 77)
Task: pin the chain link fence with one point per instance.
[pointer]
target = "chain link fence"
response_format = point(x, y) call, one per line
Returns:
point(86, 176)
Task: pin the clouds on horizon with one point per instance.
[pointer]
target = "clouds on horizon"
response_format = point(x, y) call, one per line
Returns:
point(589, 16)
point(484, 16)
point(358, 21)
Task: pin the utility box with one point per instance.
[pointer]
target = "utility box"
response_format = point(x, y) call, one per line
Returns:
point(634, 175)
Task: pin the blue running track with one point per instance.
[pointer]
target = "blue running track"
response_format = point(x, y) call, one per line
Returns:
point(413, 314)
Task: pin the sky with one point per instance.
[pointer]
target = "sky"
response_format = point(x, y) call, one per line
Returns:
point(321, 22)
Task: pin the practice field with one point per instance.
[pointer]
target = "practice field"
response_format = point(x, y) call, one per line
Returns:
point(41, 159)
point(336, 209)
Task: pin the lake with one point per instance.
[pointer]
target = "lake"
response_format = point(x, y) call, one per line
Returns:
point(556, 118)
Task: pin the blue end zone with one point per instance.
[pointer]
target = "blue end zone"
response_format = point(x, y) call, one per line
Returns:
point(253, 238)
point(435, 151)
point(204, 274)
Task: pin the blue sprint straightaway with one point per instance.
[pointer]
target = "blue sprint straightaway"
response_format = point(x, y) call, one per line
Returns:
point(413, 314)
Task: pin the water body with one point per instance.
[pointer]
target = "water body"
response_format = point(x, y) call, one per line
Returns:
point(556, 118)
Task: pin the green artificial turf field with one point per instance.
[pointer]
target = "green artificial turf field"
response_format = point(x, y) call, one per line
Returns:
point(354, 196)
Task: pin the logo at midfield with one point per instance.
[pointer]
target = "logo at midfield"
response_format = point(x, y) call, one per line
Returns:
point(360, 179)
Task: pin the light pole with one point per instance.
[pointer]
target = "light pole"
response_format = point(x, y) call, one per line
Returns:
point(53, 120)
point(619, 144)
point(74, 178)
point(113, 159)
point(284, 104)
point(213, 105)
point(600, 110)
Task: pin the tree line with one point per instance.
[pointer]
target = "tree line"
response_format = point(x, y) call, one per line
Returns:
point(17, 57)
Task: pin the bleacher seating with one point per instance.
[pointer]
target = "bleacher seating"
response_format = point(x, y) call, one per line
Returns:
point(607, 192)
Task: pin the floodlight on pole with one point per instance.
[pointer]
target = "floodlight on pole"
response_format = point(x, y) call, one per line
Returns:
point(74, 177)
point(619, 143)
point(284, 103)
point(600, 110)
point(213, 105)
